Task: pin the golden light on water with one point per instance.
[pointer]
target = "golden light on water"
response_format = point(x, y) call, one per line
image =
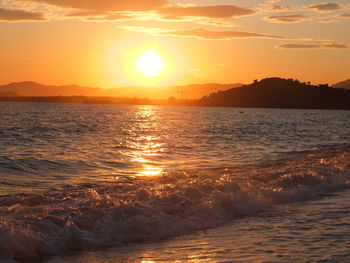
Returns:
point(150, 170)
point(143, 157)
point(147, 147)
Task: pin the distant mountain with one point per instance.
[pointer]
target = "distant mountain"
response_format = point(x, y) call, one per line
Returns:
point(280, 93)
point(195, 91)
point(192, 91)
point(30, 88)
point(83, 99)
point(343, 85)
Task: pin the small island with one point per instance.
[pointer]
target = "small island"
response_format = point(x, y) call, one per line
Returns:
point(280, 93)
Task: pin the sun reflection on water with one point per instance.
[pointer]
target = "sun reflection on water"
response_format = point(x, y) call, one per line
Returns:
point(148, 146)
point(150, 170)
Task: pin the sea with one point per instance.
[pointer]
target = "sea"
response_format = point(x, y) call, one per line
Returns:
point(146, 183)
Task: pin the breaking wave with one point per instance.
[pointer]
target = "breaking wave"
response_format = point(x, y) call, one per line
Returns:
point(141, 209)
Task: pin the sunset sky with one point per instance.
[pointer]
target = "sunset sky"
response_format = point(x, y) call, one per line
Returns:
point(97, 42)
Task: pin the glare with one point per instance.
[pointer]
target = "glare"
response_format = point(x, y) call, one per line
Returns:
point(150, 64)
point(150, 170)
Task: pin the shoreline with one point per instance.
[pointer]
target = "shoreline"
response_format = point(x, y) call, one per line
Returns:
point(286, 235)
point(86, 100)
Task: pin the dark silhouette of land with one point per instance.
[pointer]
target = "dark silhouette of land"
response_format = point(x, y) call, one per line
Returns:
point(8, 94)
point(82, 99)
point(184, 92)
point(280, 93)
point(33, 89)
point(266, 93)
point(343, 84)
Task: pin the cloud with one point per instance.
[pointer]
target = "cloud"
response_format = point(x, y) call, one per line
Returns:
point(13, 15)
point(274, 6)
point(114, 17)
point(106, 5)
point(86, 13)
point(200, 33)
point(210, 34)
point(344, 16)
point(287, 18)
point(280, 8)
point(110, 10)
point(314, 46)
point(104, 16)
point(218, 23)
point(216, 11)
point(326, 7)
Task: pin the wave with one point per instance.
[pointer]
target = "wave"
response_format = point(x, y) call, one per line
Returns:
point(97, 215)
point(27, 165)
point(32, 165)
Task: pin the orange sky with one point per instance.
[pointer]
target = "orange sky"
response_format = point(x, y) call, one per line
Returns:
point(95, 43)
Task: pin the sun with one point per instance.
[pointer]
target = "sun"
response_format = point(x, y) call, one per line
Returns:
point(150, 64)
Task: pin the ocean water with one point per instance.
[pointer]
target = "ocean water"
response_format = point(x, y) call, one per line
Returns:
point(79, 177)
point(314, 231)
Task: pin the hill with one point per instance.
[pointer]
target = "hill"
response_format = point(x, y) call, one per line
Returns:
point(30, 88)
point(195, 91)
point(280, 93)
point(81, 99)
point(343, 84)
point(192, 91)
